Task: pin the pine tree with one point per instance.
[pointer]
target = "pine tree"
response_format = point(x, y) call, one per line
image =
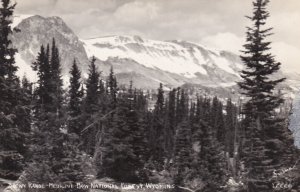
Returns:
point(12, 137)
point(113, 89)
point(157, 136)
point(42, 96)
point(76, 95)
point(7, 67)
point(138, 143)
point(182, 156)
point(92, 86)
point(199, 114)
point(232, 137)
point(262, 125)
point(231, 127)
point(169, 135)
point(209, 163)
point(178, 109)
point(56, 79)
point(182, 106)
point(23, 110)
point(91, 106)
point(217, 119)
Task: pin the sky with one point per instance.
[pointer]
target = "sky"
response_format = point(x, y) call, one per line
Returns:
point(219, 24)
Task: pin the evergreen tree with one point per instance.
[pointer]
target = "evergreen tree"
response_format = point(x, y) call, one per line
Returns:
point(138, 143)
point(169, 136)
point(182, 106)
point(91, 106)
point(182, 154)
point(76, 95)
point(92, 86)
point(159, 107)
point(56, 80)
point(199, 114)
point(208, 160)
point(7, 53)
point(263, 129)
point(232, 137)
point(178, 109)
point(209, 163)
point(43, 99)
point(157, 135)
point(217, 119)
point(12, 137)
point(23, 110)
point(231, 127)
point(113, 89)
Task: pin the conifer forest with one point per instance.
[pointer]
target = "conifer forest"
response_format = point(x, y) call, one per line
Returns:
point(95, 130)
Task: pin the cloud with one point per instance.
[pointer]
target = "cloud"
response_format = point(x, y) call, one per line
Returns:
point(135, 12)
point(286, 28)
point(224, 41)
point(288, 55)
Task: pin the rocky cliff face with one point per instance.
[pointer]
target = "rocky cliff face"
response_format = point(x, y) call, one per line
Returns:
point(37, 30)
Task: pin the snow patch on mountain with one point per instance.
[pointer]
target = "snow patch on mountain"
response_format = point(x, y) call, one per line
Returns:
point(223, 64)
point(166, 56)
point(24, 69)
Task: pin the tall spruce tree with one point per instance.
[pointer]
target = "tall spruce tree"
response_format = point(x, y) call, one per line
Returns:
point(91, 106)
point(170, 126)
point(43, 99)
point(230, 127)
point(113, 88)
point(232, 137)
point(217, 119)
point(157, 139)
point(263, 147)
point(12, 138)
point(182, 156)
point(182, 105)
point(56, 79)
point(75, 102)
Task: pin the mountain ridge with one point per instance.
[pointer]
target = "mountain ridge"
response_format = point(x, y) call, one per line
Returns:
point(171, 62)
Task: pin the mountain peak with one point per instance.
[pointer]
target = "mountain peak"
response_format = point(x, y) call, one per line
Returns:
point(18, 19)
point(36, 30)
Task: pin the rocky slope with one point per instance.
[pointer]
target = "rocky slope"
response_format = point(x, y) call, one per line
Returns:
point(37, 30)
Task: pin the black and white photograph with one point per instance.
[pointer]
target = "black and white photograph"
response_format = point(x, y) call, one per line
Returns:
point(149, 96)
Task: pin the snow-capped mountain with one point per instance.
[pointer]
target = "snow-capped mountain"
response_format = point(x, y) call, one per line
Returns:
point(175, 62)
point(146, 62)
